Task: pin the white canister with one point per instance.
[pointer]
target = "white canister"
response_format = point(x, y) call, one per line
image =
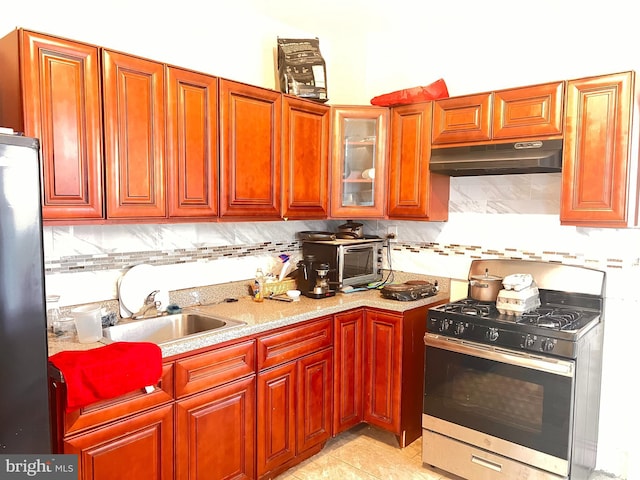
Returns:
point(88, 323)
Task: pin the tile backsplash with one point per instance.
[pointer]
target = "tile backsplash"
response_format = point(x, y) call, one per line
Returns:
point(490, 216)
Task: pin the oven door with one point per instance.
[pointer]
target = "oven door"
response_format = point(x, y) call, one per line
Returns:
point(520, 403)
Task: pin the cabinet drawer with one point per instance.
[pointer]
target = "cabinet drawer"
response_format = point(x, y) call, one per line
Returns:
point(294, 342)
point(116, 408)
point(462, 119)
point(528, 111)
point(210, 369)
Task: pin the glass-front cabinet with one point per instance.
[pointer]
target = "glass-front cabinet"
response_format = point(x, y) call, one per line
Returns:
point(359, 162)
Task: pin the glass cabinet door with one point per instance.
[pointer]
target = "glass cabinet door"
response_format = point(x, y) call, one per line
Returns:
point(359, 161)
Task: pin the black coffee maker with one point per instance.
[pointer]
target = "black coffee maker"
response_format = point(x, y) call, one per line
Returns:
point(312, 278)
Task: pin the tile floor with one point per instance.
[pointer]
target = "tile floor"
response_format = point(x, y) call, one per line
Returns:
point(367, 453)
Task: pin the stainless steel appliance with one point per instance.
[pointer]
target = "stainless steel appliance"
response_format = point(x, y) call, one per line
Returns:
point(516, 396)
point(24, 404)
point(532, 156)
point(351, 262)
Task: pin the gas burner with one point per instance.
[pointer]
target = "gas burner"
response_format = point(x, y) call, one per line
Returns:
point(549, 317)
point(469, 307)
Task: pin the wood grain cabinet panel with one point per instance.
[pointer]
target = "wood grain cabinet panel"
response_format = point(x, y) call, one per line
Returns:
point(462, 119)
point(134, 129)
point(294, 342)
point(315, 398)
point(305, 140)
point(383, 357)
point(414, 192)
point(534, 111)
point(348, 347)
point(199, 372)
point(140, 447)
point(250, 149)
point(50, 89)
point(192, 144)
point(276, 417)
point(295, 394)
point(215, 433)
point(393, 371)
point(597, 156)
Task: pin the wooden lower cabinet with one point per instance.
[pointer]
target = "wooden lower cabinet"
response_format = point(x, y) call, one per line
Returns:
point(295, 394)
point(379, 364)
point(258, 406)
point(139, 447)
point(294, 412)
point(348, 348)
point(215, 433)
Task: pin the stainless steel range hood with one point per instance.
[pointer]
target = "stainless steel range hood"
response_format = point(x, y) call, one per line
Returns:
point(498, 159)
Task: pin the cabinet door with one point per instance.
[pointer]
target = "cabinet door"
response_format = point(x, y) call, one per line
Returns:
point(139, 447)
point(315, 395)
point(305, 139)
point(192, 144)
point(359, 160)
point(348, 350)
point(276, 417)
point(382, 377)
point(414, 192)
point(62, 107)
point(250, 163)
point(462, 119)
point(215, 433)
point(534, 111)
point(134, 126)
point(597, 151)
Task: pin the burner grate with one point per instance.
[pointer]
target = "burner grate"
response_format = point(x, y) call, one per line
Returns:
point(470, 307)
point(549, 317)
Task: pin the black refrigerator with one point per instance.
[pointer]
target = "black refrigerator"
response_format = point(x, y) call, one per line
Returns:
point(24, 401)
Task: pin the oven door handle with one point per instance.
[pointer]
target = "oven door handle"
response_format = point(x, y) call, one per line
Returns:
point(521, 359)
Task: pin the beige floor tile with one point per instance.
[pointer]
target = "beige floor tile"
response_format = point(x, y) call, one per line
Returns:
point(327, 467)
point(368, 453)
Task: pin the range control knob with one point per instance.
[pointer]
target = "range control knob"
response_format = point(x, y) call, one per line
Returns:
point(459, 328)
point(492, 334)
point(548, 344)
point(528, 341)
point(443, 325)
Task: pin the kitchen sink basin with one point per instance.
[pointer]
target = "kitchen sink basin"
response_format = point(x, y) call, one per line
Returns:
point(167, 329)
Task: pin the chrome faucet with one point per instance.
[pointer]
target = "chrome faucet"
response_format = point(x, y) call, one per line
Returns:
point(150, 304)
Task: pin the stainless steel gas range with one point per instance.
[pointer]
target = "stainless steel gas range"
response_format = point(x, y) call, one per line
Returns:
point(516, 395)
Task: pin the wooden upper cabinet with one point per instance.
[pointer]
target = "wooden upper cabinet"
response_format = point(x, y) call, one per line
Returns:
point(359, 162)
point(192, 144)
point(134, 129)
point(524, 112)
point(528, 111)
point(250, 140)
point(50, 89)
point(462, 119)
point(305, 139)
point(414, 192)
point(597, 155)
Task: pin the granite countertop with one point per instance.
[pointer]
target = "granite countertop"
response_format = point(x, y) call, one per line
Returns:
point(270, 314)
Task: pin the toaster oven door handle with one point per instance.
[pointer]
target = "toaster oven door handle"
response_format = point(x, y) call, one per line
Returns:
point(512, 357)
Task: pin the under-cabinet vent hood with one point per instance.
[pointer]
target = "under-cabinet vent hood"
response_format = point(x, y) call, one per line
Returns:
point(498, 159)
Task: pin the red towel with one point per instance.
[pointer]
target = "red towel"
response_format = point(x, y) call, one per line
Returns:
point(108, 372)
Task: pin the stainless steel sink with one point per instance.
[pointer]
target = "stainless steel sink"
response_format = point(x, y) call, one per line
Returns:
point(167, 329)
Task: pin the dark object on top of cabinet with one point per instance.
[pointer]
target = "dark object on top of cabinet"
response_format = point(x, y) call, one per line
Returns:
point(301, 68)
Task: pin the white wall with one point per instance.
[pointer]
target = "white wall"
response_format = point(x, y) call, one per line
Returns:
point(373, 47)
